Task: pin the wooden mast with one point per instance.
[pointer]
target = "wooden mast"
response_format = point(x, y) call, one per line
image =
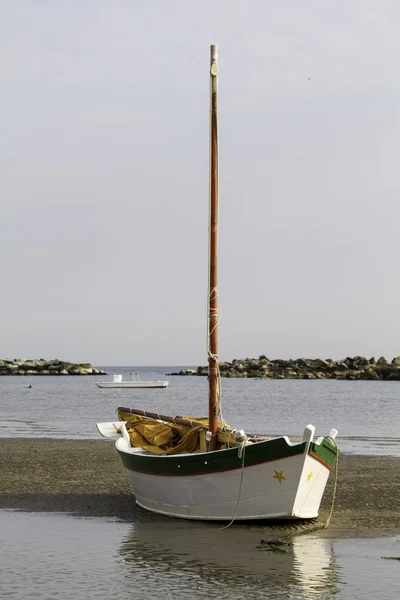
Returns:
point(213, 373)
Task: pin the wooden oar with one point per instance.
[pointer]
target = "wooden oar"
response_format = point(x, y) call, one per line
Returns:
point(166, 418)
point(112, 428)
point(177, 420)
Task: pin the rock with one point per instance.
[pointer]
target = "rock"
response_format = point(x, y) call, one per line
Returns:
point(385, 370)
point(291, 374)
point(394, 375)
point(30, 365)
point(274, 545)
point(359, 362)
point(45, 367)
point(369, 374)
point(350, 368)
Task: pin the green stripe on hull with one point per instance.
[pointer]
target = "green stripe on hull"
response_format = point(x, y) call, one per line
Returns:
point(326, 452)
point(211, 462)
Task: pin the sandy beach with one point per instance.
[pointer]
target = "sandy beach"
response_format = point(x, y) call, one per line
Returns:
point(86, 478)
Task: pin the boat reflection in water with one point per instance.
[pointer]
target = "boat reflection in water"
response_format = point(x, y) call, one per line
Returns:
point(185, 559)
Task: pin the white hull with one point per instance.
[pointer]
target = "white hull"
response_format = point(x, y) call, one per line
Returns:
point(132, 384)
point(214, 496)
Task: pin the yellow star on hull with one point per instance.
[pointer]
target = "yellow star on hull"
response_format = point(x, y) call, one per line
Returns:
point(279, 476)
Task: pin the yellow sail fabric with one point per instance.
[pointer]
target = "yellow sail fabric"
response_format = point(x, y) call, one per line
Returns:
point(160, 437)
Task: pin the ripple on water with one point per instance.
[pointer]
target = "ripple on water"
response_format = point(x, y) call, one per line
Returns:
point(67, 557)
point(365, 413)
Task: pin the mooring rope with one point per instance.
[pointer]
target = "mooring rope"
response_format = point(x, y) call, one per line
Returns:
point(334, 487)
point(241, 454)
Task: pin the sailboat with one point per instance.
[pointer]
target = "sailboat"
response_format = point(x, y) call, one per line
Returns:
point(200, 468)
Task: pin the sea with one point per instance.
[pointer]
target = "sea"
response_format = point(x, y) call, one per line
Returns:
point(61, 556)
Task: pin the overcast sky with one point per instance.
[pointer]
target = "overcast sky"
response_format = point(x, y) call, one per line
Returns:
point(104, 179)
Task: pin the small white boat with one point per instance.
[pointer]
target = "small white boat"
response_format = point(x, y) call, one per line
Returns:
point(133, 382)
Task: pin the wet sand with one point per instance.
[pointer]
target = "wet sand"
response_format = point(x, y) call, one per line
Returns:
point(86, 478)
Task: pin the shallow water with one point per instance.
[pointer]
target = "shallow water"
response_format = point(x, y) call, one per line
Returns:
point(366, 413)
point(58, 556)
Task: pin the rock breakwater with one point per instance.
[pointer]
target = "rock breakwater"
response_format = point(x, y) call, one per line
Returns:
point(46, 367)
point(356, 368)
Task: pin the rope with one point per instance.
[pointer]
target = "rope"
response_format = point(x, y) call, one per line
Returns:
point(334, 488)
point(241, 454)
point(215, 314)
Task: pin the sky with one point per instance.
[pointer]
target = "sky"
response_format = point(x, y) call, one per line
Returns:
point(104, 175)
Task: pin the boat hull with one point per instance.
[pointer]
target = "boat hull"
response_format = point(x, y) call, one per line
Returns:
point(278, 480)
point(132, 384)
